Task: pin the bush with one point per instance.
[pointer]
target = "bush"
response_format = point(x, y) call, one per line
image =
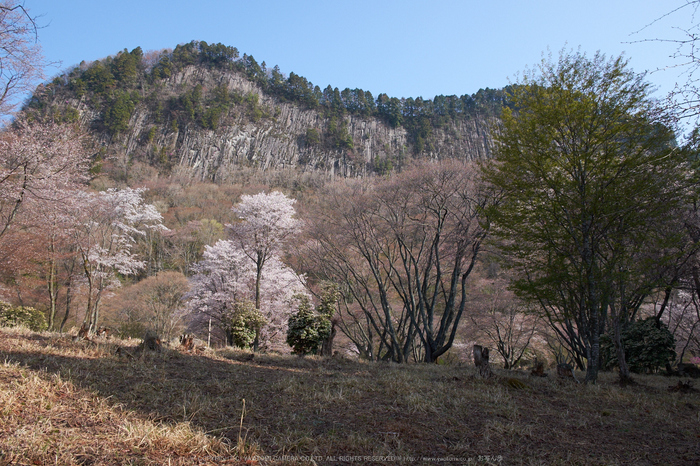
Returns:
point(131, 330)
point(647, 347)
point(312, 138)
point(29, 317)
point(307, 329)
point(244, 325)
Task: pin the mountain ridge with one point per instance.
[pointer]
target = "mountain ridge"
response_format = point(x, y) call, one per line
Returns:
point(205, 108)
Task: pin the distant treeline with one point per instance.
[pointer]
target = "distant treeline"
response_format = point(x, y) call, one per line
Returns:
point(115, 79)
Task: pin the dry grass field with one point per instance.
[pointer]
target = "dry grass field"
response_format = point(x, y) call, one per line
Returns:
point(65, 403)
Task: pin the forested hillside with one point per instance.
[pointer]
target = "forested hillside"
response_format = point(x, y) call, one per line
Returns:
point(208, 108)
point(214, 196)
point(171, 141)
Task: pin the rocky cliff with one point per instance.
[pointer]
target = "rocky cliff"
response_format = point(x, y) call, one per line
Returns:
point(253, 128)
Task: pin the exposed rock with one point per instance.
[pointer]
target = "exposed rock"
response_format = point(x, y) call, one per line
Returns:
point(274, 141)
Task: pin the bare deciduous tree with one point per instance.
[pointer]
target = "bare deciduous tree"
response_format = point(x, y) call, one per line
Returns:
point(684, 99)
point(510, 329)
point(21, 60)
point(403, 249)
point(159, 299)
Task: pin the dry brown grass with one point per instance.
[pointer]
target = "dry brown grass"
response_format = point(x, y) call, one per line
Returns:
point(77, 403)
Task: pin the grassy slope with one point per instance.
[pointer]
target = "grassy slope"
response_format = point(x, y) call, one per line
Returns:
point(77, 403)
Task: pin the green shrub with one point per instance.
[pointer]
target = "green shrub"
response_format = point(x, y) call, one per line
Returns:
point(11, 316)
point(244, 324)
point(647, 347)
point(313, 137)
point(307, 328)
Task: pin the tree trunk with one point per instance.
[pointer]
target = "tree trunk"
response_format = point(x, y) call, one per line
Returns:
point(481, 361)
point(87, 321)
point(667, 297)
point(591, 302)
point(327, 345)
point(53, 293)
point(68, 302)
point(621, 359)
point(593, 362)
point(258, 278)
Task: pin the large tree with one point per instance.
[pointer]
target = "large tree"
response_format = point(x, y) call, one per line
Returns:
point(402, 249)
point(266, 223)
point(106, 226)
point(226, 282)
point(588, 176)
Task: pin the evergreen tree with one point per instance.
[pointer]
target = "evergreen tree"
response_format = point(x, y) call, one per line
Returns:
point(307, 329)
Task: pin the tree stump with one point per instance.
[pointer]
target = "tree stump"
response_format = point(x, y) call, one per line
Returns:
point(566, 371)
point(187, 342)
point(152, 342)
point(481, 361)
point(682, 387)
point(538, 370)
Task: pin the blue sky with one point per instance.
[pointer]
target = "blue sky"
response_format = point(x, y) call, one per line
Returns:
point(405, 48)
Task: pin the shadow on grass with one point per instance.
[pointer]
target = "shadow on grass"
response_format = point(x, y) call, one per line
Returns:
point(292, 405)
point(328, 407)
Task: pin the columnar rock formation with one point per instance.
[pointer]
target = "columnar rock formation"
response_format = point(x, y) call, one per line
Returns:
point(275, 136)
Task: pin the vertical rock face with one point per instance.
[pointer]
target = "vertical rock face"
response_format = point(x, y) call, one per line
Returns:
point(276, 137)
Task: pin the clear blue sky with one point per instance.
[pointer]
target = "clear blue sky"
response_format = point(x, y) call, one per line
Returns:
point(405, 48)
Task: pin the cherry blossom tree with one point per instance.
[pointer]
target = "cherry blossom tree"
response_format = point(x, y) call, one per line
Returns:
point(267, 222)
point(44, 162)
point(108, 224)
point(21, 60)
point(227, 278)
